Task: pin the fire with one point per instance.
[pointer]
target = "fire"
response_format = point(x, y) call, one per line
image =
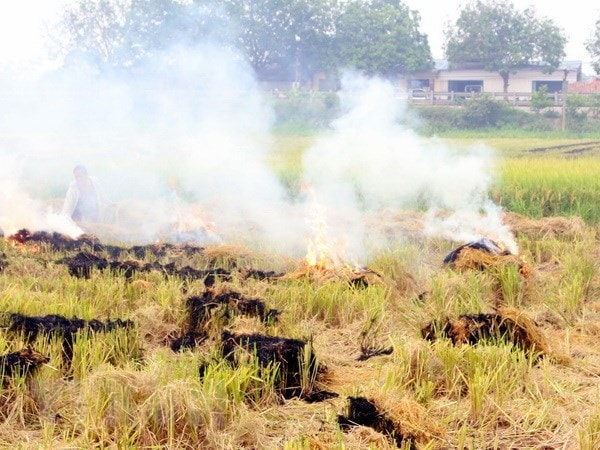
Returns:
point(321, 250)
point(25, 247)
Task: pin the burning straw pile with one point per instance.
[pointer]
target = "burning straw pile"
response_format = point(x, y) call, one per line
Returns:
point(483, 254)
point(358, 276)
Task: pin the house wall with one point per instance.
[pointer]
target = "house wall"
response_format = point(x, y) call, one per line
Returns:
point(522, 81)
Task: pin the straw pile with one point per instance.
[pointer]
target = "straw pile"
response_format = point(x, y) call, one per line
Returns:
point(547, 227)
point(507, 324)
point(404, 421)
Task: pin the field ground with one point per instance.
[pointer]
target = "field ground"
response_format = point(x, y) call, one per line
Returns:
point(534, 386)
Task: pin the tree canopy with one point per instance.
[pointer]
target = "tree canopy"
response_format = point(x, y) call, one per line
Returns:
point(593, 47)
point(503, 38)
point(290, 38)
point(380, 37)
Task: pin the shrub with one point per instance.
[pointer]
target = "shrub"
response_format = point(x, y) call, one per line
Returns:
point(482, 112)
point(540, 99)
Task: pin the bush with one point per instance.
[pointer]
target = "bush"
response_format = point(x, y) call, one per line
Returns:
point(305, 111)
point(482, 112)
point(540, 99)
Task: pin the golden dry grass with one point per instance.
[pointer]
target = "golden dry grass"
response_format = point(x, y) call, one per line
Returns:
point(133, 391)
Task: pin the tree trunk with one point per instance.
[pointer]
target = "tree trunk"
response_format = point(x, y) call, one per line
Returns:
point(504, 76)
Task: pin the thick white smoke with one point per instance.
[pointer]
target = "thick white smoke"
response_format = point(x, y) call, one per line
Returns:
point(179, 144)
point(369, 162)
point(179, 147)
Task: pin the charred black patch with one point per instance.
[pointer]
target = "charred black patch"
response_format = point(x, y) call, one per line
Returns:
point(57, 241)
point(81, 265)
point(362, 411)
point(21, 236)
point(259, 274)
point(272, 351)
point(369, 352)
point(86, 242)
point(126, 268)
point(32, 326)
point(318, 395)
point(359, 281)
point(57, 326)
point(165, 249)
point(3, 262)
point(467, 328)
point(207, 275)
point(189, 340)
point(24, 362)
point(200, 310)
point(473, 328)
point(485, 245)
point(233, 303)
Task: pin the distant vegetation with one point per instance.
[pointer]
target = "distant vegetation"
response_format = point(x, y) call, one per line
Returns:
point(307, 112)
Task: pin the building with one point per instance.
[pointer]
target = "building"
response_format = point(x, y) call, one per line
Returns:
point(472, 77)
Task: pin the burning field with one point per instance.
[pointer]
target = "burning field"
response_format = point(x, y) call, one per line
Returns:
point(431, 345)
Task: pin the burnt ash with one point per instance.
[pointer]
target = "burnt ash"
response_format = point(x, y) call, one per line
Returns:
point(57, 326)
point(370, 352)
point(32, 326)
point(493, 327)
point(468, 329)
point(261, 275)
point(272, 350)
point(362, 411)
point(486, 245)
point(189, 340)
point(82, 264)
point(57, 241)
point(87, 242)
point(24, 363)
point(233, 303)
point(125, 268)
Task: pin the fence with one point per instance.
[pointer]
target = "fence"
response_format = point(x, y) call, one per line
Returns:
point(456, 98)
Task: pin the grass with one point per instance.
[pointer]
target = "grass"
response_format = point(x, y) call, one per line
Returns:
point(127, 389)
point(537, 176)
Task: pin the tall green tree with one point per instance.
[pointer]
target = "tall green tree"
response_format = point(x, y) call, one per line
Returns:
point(288, 33)
point(503, 38)
point(592, 45)
point(121, 33)
point(379, 37)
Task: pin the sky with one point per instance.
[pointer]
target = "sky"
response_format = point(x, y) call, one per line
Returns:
point(577, 18)
point(23, 25)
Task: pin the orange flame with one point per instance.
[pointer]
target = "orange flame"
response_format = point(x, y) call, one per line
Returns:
point(321, 252)
point(25, 248)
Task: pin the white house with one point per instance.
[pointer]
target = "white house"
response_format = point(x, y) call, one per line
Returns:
point(473, 78)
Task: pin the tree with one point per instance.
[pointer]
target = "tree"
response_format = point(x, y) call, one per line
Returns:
point(380, 37)
point(593, 47)
point(502, 38)
point(290, 34)
point(121, 33)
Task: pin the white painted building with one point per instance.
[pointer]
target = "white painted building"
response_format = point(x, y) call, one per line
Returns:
point(473, 78)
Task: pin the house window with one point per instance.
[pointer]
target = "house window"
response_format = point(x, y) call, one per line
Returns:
point(419, 84)
point(553, 86)
point(465, 85)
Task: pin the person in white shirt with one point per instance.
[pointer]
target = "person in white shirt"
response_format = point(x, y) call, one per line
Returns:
point(83, 199)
